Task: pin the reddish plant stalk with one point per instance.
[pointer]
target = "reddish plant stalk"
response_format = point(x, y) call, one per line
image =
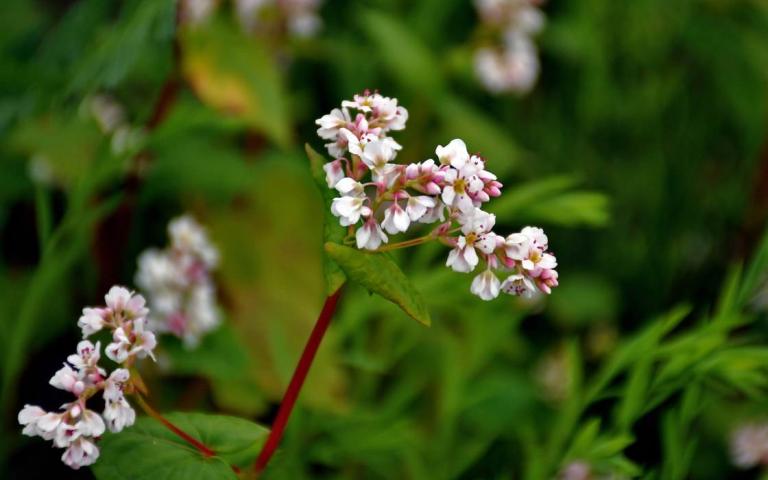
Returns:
point(297, 381)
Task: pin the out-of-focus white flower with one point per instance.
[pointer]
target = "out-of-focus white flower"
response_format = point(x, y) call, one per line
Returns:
point(749, 445)
point(178, 284)
point(197, 12)
point(512, 63)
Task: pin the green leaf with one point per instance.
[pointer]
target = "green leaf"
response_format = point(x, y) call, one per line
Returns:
point(332, 231)
point(379, 274)
point(148, 450)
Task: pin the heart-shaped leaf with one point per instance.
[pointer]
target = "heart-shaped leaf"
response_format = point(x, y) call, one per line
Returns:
point(379, 274)
point(148, 450)
point(333, 232)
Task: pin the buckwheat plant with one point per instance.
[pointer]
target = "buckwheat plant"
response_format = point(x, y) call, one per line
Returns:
point(379, 198)
point(76, 428)
point(178, 283)
point(509, 62)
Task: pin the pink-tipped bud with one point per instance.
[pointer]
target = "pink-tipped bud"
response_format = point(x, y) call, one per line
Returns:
point(412, 171)
point(432, 188)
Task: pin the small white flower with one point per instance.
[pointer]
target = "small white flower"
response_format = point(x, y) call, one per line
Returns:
point(333, 173)
point(28, 417)
point(517, 246)
point(486, 285)
point(66, 433)
point(331, 123)
point(370, 235)
point(140, 343)
point(537, 237)
point(91, 321)
point(349, 209)
point(376, 155)
point(67, 379)
point(459, 186)
point(90, 424)
point(122, 301)
point(463, 257)
point(81, 452)
point(518, 285)
point(395, 219)
point(454, 154)
point(418, 205)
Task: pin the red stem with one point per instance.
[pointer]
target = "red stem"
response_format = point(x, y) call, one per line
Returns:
point(294, 388)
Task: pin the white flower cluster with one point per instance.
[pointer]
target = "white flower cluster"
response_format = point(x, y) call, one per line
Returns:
point(111, 119)
point(511, 64)
point(749, 445)
point(298, 17)
point(178, 283)
point(449, 191)
point(76, 428)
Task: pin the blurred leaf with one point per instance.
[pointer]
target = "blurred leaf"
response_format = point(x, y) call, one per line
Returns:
point(481, 132)
point(220, 355)
point(148, 450)
point(583, 300)
point(379, 274)
point(236, 75)
point(404, 54)
point(333, 232)
point(143, 27)
point(271, 277)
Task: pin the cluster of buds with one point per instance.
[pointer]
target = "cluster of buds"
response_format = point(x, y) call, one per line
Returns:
point(76, 428)
point(510, 63)
point(297, 17)
point(178, 282)
point(449, 192)
point(749, 445)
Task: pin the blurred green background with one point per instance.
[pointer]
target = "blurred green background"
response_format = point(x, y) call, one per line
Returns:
point(642, 150)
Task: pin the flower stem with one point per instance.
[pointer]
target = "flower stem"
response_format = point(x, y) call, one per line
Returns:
point(294, 387)
point(204, 450)
point(407, 243)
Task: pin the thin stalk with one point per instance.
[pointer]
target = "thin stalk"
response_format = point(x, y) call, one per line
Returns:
point(294, 387)
point(204, 450)
point(43, 216)
point(406, 243)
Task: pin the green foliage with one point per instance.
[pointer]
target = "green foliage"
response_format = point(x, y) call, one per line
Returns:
point(640, 151)
point(158, 452)
point(380, 275)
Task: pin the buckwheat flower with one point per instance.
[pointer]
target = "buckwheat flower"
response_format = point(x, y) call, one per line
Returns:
point(189, 236)
point(395, 219)
point(426, 177)
point(376, 155)
point(28, 417)
point(80, 453)
point(370, 236)
point(67, 379)
point(459, 186)
point(122, 302)
point(418, 206)
point(518, 285)
point(576, 470)
point(90, 424)
point(331, 123)
point(86, 359)
point(476, 227)
point(139, 342)
point(91, 321)
point(454, 154)
point(486, 285)
point(537, 237)
point(749, 445)
point(333, 172)
point(349, 209)
point(118, 413)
